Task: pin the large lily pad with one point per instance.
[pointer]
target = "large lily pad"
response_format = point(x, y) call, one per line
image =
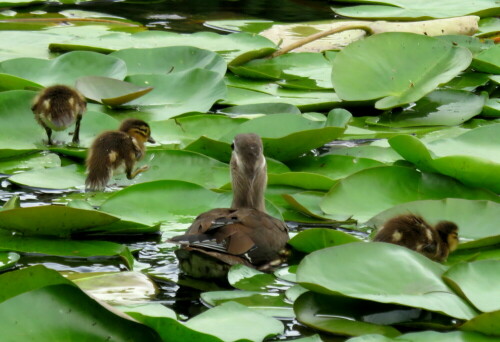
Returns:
point(485, 323)
point(370, 191)
point(311, 240)
point(59, 310)
point(395, 275)
point(487, 61)
point(65, 69)
point(396, 68)
point(165, 60)
point(471, 157)
point(67, 248)
point(475, 219)
point(424, 336)
point(240, 323)
point(477, 281)
point(419, 9)
point(28, 162)
point(439, 108)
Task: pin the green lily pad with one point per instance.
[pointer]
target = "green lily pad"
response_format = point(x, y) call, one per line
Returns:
point(469, 81)
point(419, 9)
point(172, 59)
point(308, 203)
point(475, 219)
point(249, 279)
point(396, 68)
point(65, 69)
point(395, 275)
point(10, 82)
point(424, 336)
point(382, 154)
point(269, 304)
point(66, 248)
point(370, 191)
point(470, 157)
point(8, 260)
point(162, 201)
point(313, 239)
point(332, 166)
point(492, 108)
point(345, 316)
point(488, 60)
point(310, 70)
point(240, 323)
point(59, 311)
point(65, 177)
point(488, 26)
point(260, 108)
point(476, 281)
point(439, 108)
point(485, 323)
point(122, 288)
point(109, 91)
point(304, 180)
point(36, 161)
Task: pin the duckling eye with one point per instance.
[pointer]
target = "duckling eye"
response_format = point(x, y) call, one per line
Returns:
point(232, 146)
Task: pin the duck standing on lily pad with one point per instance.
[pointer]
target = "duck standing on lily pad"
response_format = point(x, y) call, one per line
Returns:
point(58, 107)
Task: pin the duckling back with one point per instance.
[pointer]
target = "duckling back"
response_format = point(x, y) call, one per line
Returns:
point(109, 151)
point(58, 106)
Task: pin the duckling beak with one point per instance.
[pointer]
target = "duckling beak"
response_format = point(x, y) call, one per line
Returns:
point(151, 140)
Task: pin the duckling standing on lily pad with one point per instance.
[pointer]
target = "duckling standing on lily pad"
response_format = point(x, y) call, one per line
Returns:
point(113, 149)
point(58, 107)
point(243, 234)
point(415, 233)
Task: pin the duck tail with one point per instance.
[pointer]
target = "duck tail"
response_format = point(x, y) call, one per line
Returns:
point(98, 175)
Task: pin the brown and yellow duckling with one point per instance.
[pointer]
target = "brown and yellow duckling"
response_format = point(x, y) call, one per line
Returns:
point(58, 107)
point(243, 234)
point(415, 233)
point(113, 149)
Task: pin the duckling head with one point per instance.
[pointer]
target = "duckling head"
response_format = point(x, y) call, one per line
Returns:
point(248, 171)
point(448, 231)
point(137, 129)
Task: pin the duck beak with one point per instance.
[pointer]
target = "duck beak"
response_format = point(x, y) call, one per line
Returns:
point(151, 140)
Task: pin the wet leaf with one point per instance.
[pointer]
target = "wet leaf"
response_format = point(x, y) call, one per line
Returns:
point(313, 239)
point(8, 260)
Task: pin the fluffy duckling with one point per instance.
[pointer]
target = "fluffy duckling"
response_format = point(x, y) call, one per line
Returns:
point(113, 149)
point(243, 234)
point(413, 232)
point(58, 107)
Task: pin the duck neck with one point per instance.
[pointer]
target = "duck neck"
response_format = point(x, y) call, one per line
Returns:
point(249, 184)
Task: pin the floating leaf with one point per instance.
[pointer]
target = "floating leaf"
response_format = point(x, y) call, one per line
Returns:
point(172, 59)
point(28, 162)
point(260, 108)
point(311, 240)
point(476, 281)
point(471, 157)
point(396, 275)
point(8, 260)
point(245, 278)
point(395, 68)
point(65, 69)
point(424, 336)
point(488, 60)
point(347, 316)
point(486, 323)
point(370, 191)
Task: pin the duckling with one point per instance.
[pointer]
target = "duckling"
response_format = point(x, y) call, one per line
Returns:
point(415, 233)
point(113, 149)
point(243, 234)
point(58, 107)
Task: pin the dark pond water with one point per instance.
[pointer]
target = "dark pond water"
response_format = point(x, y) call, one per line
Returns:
point(178, 16)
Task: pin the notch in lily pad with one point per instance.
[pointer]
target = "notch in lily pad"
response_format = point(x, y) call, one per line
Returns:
point(110, 91)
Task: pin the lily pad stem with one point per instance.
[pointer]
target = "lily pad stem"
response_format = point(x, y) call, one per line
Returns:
point(319, 35)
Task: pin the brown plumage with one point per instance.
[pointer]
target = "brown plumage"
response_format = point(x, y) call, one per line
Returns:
point(113, 149)
point(413, 232)
point(58, 107)
point(243, 234)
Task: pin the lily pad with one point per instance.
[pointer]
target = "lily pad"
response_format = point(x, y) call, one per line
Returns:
point(470, 157)
point(314, 239)
point(396, 68)
point(424, 336)
point(345, 316)
point(66, 248)
point(439, 108)
point(240, 323)
point(477, 282)
point(172, 59)
point(36, 161)
point(488, 60)
point(419, 9)
point(8, 260)
point(65, 69)
point(245, 278)
point(109, 91)
point(370, 191)
point(485, 323)
point(396, 275)
point(260, 108)
point(59, 310)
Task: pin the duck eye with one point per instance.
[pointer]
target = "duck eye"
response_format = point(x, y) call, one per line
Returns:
point(232, 146)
